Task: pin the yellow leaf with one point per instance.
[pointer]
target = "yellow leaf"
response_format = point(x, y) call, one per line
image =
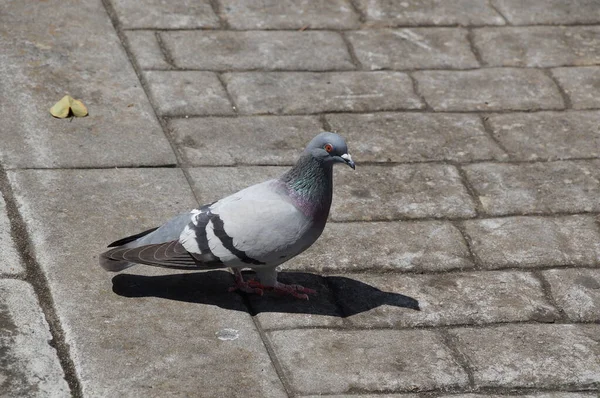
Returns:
point(67, 106)
point(78, 108)
point(61, 108)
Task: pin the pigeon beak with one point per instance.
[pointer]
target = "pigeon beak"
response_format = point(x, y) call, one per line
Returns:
point(348, 159)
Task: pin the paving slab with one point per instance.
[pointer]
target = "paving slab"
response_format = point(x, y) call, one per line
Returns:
point(547, 394)
point(328, 361)
point(559, 12)
point(308, 92)
point(577, 292)
point(423, 48)
point(227, 141)
point(489, 89)
point(548, 135)
point(263, 50)
point(541, 356)
point(412, 191)
point(393, 246)
point(10, 263)
point(140, 332)
point(429, 12)
point(289, 14)
point(172, 14)
point(581, 85)
point(529, 188)
point(371, 193)
point(534, 241)
point(182, 93)
point(415, 137)
point(29, 365)
point(443, 299)
point(538, 46)
point(49, 51)
point(146, 50)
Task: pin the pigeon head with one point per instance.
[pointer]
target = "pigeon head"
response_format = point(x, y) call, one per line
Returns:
point(330, 148)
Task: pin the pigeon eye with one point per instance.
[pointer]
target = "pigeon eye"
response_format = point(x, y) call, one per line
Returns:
point(328, 147)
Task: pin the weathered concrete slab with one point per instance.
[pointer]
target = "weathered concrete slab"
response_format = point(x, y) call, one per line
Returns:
point(214, 141)
point(548, 135)
point(429, 12)
point(273, 50)
point(548, 394)
point(534, 241)
point(10, 263)
point(580, 84)
point(563, 186)
point(424, 48)
point(289, 14)
point(393, 246)
point(541, 356)
point(371, 193)
point(405, 191)
point(443, 299)
point(49, 51)
point(489, 89)
point(326, 361)
point(307, 92)
point(539, 46)
point(549, 11)
point(172, 14)
point(138, 333)
point(414, 137)
point(577, 292)
point(30, 366)
point(145, 48)
point(182, 93)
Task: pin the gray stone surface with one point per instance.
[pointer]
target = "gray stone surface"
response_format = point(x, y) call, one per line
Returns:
point(581, 85)
point(577, 292)
point(29, 365)
point(424, 48)
point(560, 12)
point(307, 92)
point(544, 356)
point(145, 48)
point(562, 186)
point(429, 12)
point(45, 55)
point(335, 361)
point(547, 394)
point(534, 241)
point(143, 331)
point(415, 137)
point(539, 46)
point(392, 246)
point(273, 50)
point(182, 93)
point(159, 14)
point(489, 89)
point(548, 135)
point(405, 191)
point(289, 14)
point(10, 263)
point(367, 194)
point(230, 141)
point(444, 299)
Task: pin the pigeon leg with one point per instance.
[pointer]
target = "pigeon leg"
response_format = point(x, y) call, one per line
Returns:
point(250, 286)
point(297, 291)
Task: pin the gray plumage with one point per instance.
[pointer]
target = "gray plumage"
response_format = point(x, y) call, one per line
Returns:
point(259, 227)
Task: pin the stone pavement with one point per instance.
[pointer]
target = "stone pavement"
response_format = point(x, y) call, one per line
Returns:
point(475, 127)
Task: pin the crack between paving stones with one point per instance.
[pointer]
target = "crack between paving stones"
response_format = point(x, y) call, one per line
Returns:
point(487, 128)
point(547, 290)
point(358, 11)
point(138, 71)
point(468, 244)
point(470, 190)
point(474, 49)
point(229, 96)
point(35, 276)
point(168, 57)
point(223, 22)
point(451, 343)
point(493, 7)
point(565, 97)
point(350, 48)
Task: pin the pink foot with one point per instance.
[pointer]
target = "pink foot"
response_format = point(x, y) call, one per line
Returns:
point(250, 286)
point(297, 291)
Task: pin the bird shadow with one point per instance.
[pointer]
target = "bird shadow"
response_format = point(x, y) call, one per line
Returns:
point(336, 295)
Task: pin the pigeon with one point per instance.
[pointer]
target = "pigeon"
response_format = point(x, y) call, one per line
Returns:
point(259, 227)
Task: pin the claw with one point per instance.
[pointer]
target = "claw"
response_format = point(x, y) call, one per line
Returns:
point(297, 291)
